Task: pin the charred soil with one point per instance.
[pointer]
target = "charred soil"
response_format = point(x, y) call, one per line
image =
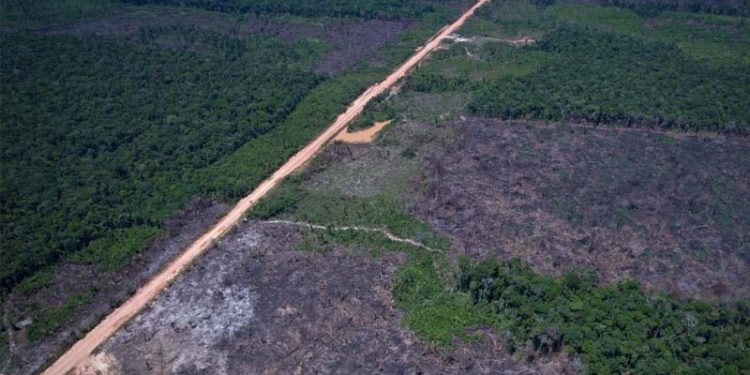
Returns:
point(259, 305)
point(105, 288)
point(666, 209)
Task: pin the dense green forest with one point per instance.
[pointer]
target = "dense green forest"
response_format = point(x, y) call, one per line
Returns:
point(651, 8)
point(101, 135)
point(614, 329)
point(685, 71)
point(366, 9)
point(105, 137)
point(609, 78)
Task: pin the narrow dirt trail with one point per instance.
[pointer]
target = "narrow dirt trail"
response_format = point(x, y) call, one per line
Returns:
point(130, 308)
point(356, 228)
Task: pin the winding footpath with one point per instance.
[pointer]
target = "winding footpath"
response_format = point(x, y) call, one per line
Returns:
point(130, 308)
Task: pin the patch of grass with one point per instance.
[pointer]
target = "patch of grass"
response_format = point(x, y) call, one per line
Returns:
point(373, 243)
point(432, 107)
point(114, 252)
point(466, 67)
point(54, 318)
point(712, 38)
point(386, 211)
point(435, 313)
point(39, 280)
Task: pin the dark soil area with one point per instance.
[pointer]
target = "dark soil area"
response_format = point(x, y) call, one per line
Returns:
point(256, 305)
point(108, 288)
point(669, 210)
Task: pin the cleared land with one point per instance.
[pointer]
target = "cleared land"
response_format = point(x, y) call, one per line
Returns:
point(171, 112)
point(364, 135)
point(132, 306)
point(326, 299)
point(549, 194)
point(274, 309)
point(463, 244)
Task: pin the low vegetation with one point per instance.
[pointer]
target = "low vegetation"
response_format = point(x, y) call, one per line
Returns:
point(385, 211)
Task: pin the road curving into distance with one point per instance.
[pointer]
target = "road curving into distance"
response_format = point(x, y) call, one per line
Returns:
point(130, 308)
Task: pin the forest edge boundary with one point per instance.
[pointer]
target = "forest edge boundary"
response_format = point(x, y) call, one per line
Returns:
point(130, 308)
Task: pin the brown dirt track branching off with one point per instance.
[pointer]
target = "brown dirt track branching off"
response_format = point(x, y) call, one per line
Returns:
point(390, 236)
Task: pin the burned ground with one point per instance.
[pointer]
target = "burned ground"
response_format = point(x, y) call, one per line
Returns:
point(74, 279)
point(256, 304)
point(669, 210)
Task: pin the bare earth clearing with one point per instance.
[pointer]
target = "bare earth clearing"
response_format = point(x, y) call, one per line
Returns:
point(258, 305)
point(666, 209)
point(83, 348)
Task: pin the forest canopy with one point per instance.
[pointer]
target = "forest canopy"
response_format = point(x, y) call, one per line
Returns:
point(599, 64)
point(108, 133)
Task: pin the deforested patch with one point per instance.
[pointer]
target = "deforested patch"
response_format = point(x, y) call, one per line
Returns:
point(193, 316)
point(255, 304)
point(668, 210)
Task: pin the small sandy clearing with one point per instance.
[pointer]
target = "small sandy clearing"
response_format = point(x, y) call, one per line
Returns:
point(101, 363)
point(362, 136)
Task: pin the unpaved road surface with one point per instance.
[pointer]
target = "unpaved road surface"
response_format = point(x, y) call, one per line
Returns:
point(84, 347)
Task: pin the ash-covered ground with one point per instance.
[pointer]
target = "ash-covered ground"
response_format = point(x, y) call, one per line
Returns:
point(255, 304)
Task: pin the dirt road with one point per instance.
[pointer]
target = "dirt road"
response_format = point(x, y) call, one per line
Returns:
point(107, 327)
